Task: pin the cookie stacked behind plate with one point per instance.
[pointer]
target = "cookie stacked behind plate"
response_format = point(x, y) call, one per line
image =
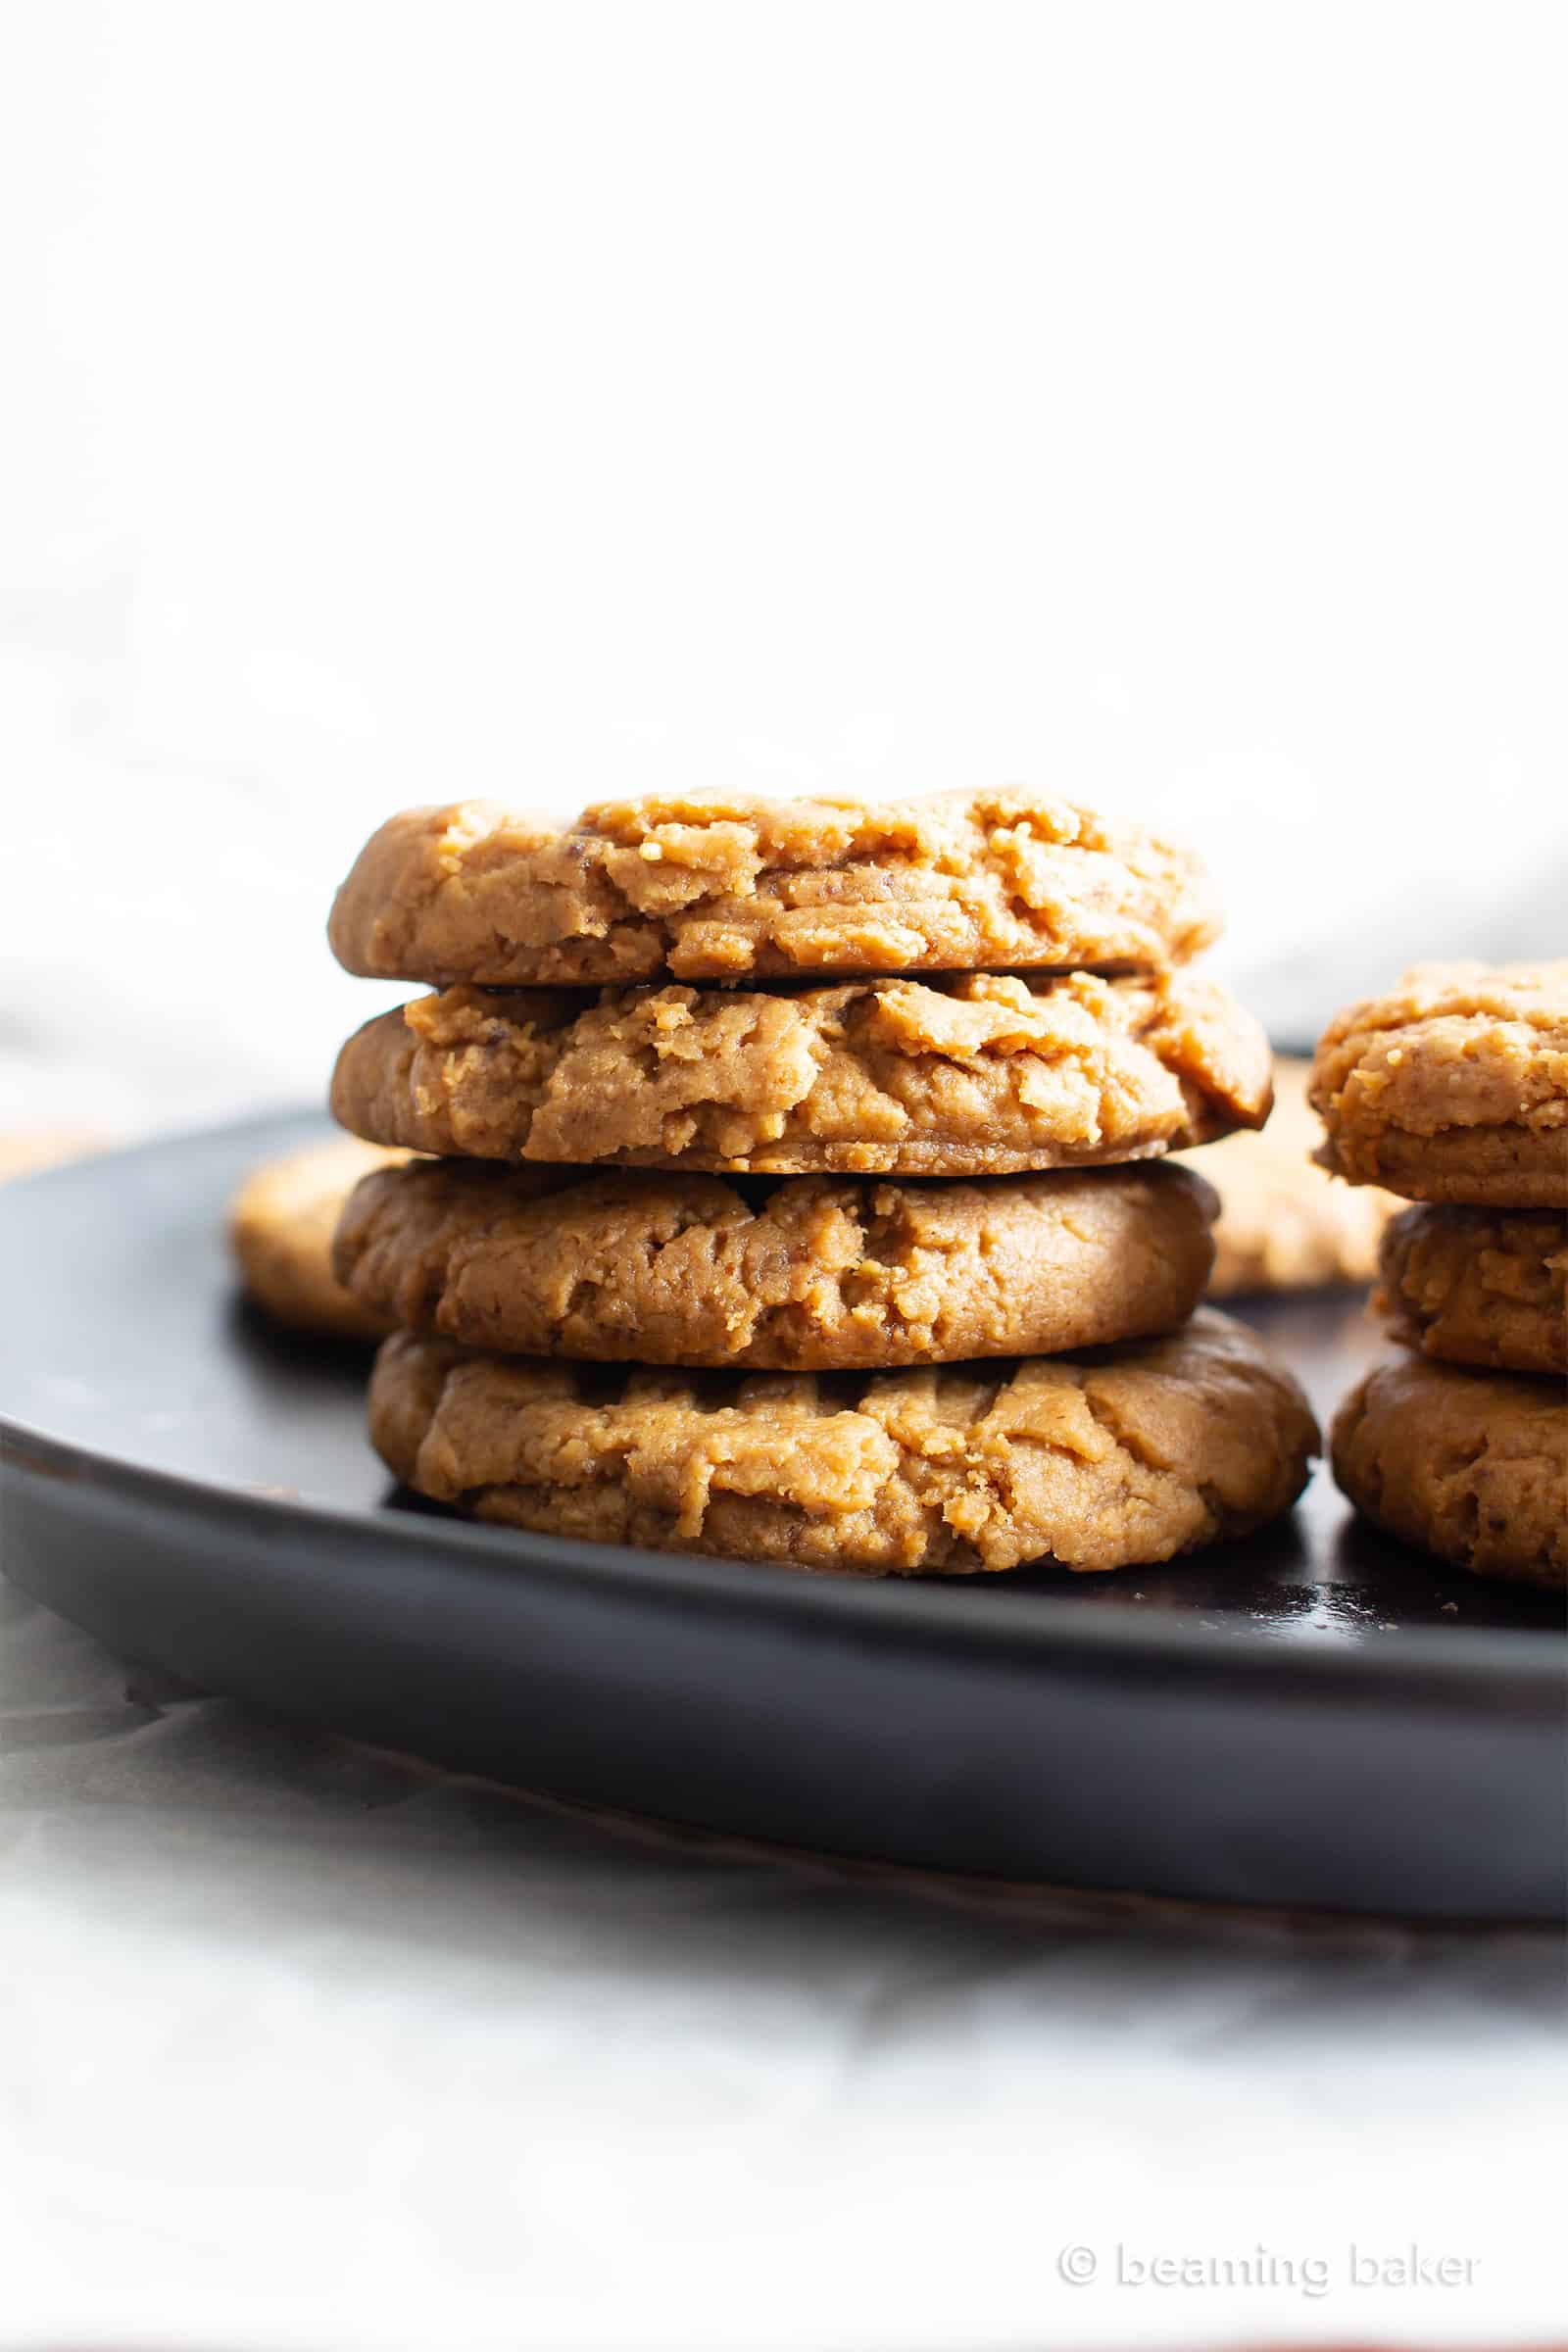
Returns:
point(678, 1273)
point(1453, 1092)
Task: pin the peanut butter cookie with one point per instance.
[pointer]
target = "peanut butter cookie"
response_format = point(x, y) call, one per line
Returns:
point(807, 1273)
point(1453, 1086)
point(711, 887)
point(1132, 1455)
point(1479, 1286)
point(976, 1075)
point(1284, 1223)
point(1470, 1465)
point(280, 1227)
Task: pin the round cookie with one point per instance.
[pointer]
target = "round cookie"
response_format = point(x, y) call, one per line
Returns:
point(717, 888)
point(1284, 1223)
point(973, 1076)
point(1479, 1286)
point(807, 1273)
point(1453, 1086)
point(1470, 1465)
point(280, 1227)
point(1131, 1455)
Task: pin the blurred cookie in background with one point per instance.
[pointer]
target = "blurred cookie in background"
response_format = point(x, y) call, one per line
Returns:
point(280, 1227)
point(1285, 1224)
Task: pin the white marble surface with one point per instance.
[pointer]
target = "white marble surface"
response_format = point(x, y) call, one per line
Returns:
point(302, 2044)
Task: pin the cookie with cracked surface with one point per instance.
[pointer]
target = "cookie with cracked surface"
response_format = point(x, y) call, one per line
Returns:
point(1285, 1224)
point(802, 1273)
point(1479, 1286)
point(1126, 1456)
point(280, 1227)
point(1453, 1086)
point(1470, 1465)
point(980, 1075)
point(708, 887)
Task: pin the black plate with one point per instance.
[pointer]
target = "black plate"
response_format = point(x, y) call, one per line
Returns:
point(1312, 1718)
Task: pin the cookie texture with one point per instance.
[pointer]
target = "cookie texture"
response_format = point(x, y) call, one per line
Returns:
point(1284, 1223)
point(717, 888)
point(1479, 1286)
point(806, 1273)
point(1470, 1465)
point(280, 1227)
point(1131, 1455)
point(978, 1075)
point(1453, 1086)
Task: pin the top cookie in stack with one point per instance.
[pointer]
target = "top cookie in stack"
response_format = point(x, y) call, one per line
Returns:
point(709, 888)
point(988, 987)
point(1452, 1087)
point(1453, 1090)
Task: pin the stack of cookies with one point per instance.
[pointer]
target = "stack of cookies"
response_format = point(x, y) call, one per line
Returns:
point(784, 1159)
point(1453, 1091)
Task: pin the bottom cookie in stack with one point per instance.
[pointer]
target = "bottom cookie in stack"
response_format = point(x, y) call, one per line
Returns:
point(1457, 1084)
point(1125, 1455)
point(1470, 1465)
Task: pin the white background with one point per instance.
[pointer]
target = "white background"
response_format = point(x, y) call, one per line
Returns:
point(1162, 405)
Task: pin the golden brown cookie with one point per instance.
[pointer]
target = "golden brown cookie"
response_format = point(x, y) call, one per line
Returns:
point(1471, 1465)
point(1453, 1086)
point(280, 1227)
point(1284, 1224)
point(717, 888)
point(804, 1273)
point(1479, 1286)
point(973, 1076)
point(1131, 1455)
